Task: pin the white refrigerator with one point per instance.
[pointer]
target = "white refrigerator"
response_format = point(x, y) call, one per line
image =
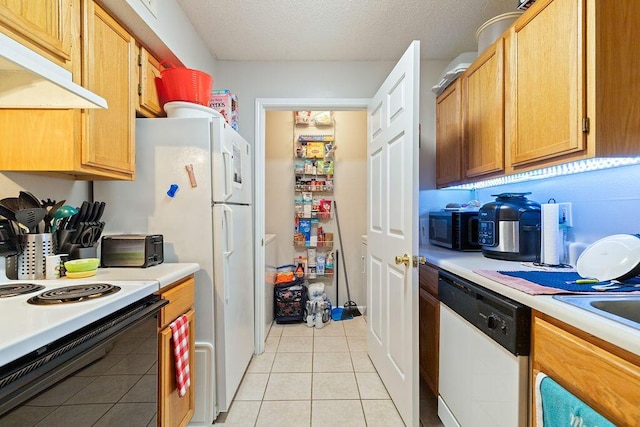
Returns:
point(193, 186)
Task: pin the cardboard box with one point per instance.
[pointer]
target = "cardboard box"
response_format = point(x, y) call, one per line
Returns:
point(226, 103)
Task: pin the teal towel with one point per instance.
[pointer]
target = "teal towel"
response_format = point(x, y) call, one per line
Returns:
point(559, 408)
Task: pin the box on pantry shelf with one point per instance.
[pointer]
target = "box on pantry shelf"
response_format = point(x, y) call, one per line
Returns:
point(226, 103)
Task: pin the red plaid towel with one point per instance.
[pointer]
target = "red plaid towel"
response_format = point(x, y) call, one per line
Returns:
point(180, 330)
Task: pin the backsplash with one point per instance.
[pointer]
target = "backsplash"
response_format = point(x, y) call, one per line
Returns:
point(604, 202)
point(43, 187)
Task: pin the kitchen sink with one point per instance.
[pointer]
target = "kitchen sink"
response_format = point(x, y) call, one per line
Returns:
point(620, 308)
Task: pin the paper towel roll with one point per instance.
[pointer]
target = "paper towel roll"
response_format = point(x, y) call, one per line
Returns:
point(551, 236)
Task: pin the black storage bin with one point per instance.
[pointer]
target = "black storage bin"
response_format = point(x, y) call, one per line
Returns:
point(289, 302)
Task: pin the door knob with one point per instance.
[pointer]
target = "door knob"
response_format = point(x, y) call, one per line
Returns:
point(403, 260)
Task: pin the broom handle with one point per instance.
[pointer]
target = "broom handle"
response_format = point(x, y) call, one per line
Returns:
point(346, 278)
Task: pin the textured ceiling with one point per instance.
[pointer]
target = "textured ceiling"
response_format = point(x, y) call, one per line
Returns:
point(339, 30)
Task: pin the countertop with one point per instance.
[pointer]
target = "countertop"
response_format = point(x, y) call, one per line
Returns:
point(463, 264)
point(27, 327)
point(164, 274)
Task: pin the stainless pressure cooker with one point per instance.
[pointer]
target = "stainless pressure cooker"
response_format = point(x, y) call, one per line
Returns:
point(509, 228)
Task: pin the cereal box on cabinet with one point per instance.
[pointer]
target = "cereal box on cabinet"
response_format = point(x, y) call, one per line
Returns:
point(226, 103)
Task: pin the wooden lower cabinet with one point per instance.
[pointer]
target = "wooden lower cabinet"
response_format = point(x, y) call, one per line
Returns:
point(605, 377)
point(173, 410)
point(429, 326)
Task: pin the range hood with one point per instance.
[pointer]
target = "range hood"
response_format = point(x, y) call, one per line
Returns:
point(28, 80)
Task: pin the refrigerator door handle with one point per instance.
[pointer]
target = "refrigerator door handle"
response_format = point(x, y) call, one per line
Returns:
point(229, 247)
point(228, 174)
point(228, 214)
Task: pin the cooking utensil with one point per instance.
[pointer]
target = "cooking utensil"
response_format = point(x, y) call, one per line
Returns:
point(90, 212)
point(614, 284)
point(48, 218)
point(615, 257)
point(63, 212)
point(47, 203)
point(7, 213)
point(11, 203)
point(11, 267)
point(28, 200)
point(31, 218)
point(89, 236)
point(80, 216)
point(9, 243)
point(100, 211)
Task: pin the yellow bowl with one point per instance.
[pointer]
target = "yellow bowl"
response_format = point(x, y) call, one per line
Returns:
point(80, 274)
point(84, 264)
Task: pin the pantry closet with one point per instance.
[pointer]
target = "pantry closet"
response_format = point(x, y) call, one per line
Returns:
point(349, 131)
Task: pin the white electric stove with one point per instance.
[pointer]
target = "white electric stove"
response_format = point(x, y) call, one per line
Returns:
point(27, 327)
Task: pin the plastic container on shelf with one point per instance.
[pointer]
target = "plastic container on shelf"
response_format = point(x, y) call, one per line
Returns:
point(180, 109)
point(183, 84)
point(493, 28)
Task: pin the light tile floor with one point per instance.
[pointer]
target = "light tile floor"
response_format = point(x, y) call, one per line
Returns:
point(317, 377)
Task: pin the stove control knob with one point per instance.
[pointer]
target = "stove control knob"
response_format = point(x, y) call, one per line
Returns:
point(492, 322)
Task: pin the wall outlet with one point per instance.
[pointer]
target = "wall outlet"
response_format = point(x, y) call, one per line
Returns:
point(565, 215)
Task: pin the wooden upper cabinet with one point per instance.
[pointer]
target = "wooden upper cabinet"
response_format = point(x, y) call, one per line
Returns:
point(148, 69)
point(43, 25)
point(109, 69)
point(573, 80)
point(547, 81)
point(82, 144)
point(483, 112)
point(449, 135)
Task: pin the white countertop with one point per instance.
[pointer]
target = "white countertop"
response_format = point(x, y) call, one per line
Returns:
point(463, 264)
point(27, 327)
point(164, 274)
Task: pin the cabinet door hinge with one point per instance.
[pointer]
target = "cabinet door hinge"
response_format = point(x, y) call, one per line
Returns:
point(139, 60)
point(585, 125)
point(139, 89)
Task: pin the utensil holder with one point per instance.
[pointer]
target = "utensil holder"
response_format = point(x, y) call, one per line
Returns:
point(32, 261)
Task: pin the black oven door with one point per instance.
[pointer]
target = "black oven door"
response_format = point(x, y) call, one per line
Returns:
point(105, 373)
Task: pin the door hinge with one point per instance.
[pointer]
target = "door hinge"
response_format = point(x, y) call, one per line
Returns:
point(585, 124)
point(139, 60)
point(139, 89)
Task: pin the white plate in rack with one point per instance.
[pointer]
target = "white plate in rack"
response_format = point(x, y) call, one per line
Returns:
point(615, 257)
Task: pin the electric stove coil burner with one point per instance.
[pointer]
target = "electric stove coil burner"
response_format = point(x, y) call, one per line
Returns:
point(15, 289)
point(76, 293)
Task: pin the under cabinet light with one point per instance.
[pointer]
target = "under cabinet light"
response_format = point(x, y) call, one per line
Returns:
point(579, 166)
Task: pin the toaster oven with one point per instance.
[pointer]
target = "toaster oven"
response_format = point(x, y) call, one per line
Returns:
point(132, 250)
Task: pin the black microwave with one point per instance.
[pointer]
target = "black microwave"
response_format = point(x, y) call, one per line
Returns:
point(456, 230)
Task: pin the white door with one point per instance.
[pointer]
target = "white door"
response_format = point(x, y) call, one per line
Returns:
point(392, 289)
